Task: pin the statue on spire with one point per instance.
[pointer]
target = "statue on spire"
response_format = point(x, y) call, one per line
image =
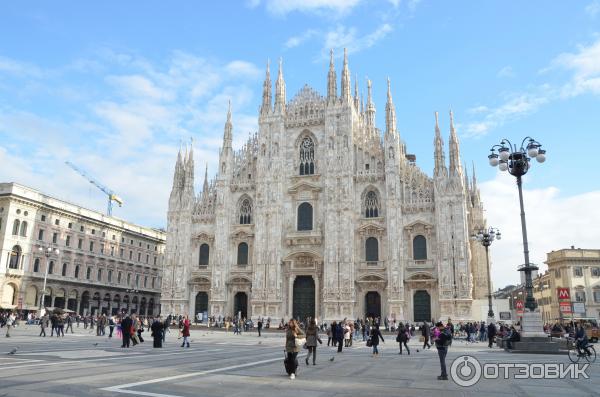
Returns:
point(346, 93)
point(266, 99)
point(331, 80)
point(280, 89)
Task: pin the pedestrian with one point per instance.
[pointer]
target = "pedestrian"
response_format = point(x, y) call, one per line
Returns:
point(403, 337)
point(259, 326)
point(126, 325)
point(157, 333)
point(43, 325)
point(491, 334)
point(347, 332)
point(53, 321)
point(339, 336)
point(60, 326)
point(10, 321)
point(85, 322)
point(312, 337)
point(425, 333)
point(330, 334)
point(293, 343)
point(442, 342)
point(185, 332)
point(165, 328)
point(111, 326)
point(69, 323)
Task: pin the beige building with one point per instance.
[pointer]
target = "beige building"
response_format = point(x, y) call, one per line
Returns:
point(103, 264)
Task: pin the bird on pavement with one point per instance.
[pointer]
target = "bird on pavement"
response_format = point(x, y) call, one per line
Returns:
point(96, 344)
point(332, 358)
point(14, 350)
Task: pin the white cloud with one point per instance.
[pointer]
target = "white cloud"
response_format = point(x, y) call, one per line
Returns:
point(295, 41)
point(593, 8)
point(506, 71)
point(343, 37)
point(332, 8)
point(242, 69)
point(554, 221)
point(585, 66)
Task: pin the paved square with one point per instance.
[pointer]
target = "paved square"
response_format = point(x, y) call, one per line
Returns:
point(219, 364)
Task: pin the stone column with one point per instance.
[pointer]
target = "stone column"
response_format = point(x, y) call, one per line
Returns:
point(291, 296)
point(317, 296)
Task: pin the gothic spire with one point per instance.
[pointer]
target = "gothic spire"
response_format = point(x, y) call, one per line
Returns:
point(455, 167)
point(346, 94)
point(474, 183)
point(331, 80)
point(440, 160)
point(227, 133)
point(280, 89)
point(205, 185)
point(390, 111)
point(356, 103)
point(266, 99)
point(370, 106)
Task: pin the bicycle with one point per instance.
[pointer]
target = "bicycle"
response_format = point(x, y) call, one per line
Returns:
point(575, 353)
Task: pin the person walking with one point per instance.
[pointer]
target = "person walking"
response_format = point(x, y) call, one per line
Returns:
point(185, 332)
point(10, 321)
point(69, 323)
point(330, 338)
point(425, 333)
point(292, 334)
point(111, 326)
point(442, 342)
point(339, 336)
point(43, 325)
point(126, 325)
point(259, 326)
point(375, 336)
point(60, 326)
point(491, 334)
point(403, 337)
point(157, 332)
point(312, 337)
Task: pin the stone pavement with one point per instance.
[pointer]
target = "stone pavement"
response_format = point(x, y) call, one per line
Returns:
point(220, 364)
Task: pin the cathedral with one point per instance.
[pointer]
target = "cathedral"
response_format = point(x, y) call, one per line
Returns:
point(322, 214)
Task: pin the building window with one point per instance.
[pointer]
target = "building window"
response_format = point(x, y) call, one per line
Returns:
point(54, 237)
point(372, 250)
point(99, 278)
point(122, 239)
point(15, 257)
point(154, 261)
point(305, 217)
point(147, 258)
point(596, 272)
point(51, 267)
point(70, 225)
point(102, 248)
point(419, 248)
point(57, 222)
point(77, 271)
point(128, 278)
point(24, 229)
point(81, 228)
point(147, 246)
point(579, 296)
point(119, 277)
point(597, 295)
point(36, 265)
point(204, 255)
point(130, 255)
point(578, 271)
point(245, 212)
point(307, 156)
point(68, 241)
point(110, 276)
point(43, 217)
point(41, 235)
point(121, 251)
point(16, 225)
point(112, 250)
point(103, 234)
point(557, 273)
point(145, 281)
point(64, 270)
point(137, 281)
point(114, 237)
point(131, 242)
point(153, 282)
point(139, 256)
point(242, 254)
point(371, 205)
point(91, 246)
point(93, 231)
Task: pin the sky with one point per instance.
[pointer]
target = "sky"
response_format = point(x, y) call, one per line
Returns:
point(116, 87)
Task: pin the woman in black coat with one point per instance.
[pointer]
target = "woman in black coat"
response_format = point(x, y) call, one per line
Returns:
point(375, 336)
point(157, 332)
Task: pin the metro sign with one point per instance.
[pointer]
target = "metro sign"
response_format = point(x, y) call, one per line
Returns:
point(563, 293)
point(520, 306)
point(565, 307)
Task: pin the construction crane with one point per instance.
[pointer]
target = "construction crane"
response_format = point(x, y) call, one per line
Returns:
point(111, 195)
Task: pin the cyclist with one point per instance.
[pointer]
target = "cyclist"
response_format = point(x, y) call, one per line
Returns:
point(581, 338)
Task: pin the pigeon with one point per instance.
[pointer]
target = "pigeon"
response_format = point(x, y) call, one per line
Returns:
point(417, 350)
point(96, 344)
point(260, 342)
point(14, 350)
point(332, 358)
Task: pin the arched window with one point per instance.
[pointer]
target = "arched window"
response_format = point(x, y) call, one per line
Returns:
point(119, 277)
point(51, 267)
point(99, 278)
point(36, 265)
point(371, 205)
point(128, 278)
point(242, 254)
point(246, 212)
point(16, 227)
point(372, 250)
point(88, 274)
point(307, 156)
point(64, 269)
point(109, 277)
point(77, 271)
point(305, 217)
point(24, 229)
point(419, 248)
point(204, 255)
point(15, 257)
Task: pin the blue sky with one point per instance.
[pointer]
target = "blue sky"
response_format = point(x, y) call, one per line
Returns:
point(114, 88)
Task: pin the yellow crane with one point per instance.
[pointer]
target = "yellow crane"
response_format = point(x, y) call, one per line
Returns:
point(111, 195)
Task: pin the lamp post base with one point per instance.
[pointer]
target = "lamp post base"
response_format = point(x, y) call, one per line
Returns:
point(533, 337)
point(532, 324)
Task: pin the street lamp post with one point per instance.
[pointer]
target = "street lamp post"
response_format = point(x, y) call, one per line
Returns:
point(486, 236)
point(47, 251)
point(517, 162)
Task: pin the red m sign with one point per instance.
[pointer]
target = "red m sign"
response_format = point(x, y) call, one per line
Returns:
point(563, 293)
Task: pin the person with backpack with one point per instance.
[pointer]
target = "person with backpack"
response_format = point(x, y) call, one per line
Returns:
point(403, 337)
point(374, 339)
point(293, 335)
point(491, 334)
point(442, 342)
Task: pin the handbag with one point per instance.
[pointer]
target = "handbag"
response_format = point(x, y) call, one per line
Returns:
point(369, 342)
point(300, 342)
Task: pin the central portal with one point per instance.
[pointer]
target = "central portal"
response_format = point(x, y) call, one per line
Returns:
point(240, 304)
point(422, 306)
point(304, 298)
point(373, 304)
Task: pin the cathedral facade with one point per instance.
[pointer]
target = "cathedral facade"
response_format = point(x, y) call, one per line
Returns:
point(321, 214)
